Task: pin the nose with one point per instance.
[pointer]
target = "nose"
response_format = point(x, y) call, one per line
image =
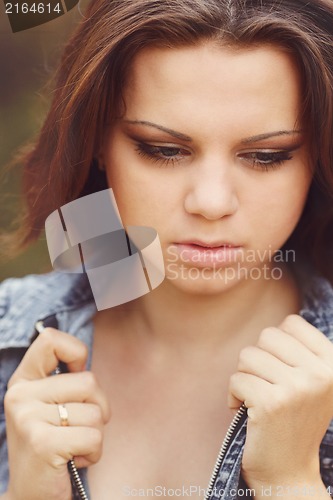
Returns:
point(212, 192)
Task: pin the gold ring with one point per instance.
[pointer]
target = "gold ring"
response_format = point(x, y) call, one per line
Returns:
point(63, 414)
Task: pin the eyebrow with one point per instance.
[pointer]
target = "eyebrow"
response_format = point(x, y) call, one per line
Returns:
point(262, 137)
point(183, 137)
point(173, 133)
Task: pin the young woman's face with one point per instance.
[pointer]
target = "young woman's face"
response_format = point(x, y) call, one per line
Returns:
point(210, 154)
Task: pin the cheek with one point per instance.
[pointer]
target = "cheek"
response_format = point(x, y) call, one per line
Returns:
point(122, 178)
point(145, 194)
point(141, 200)
point(280, 210)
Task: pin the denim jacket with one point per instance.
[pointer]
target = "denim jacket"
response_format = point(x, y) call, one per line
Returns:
point(68, 298)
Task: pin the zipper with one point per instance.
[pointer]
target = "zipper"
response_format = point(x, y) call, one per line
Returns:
point(76, 480)
point(233, 428)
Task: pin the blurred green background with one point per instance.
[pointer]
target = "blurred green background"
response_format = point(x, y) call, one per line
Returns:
point(28, 59)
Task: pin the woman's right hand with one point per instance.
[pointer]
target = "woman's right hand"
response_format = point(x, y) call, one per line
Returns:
point(38, 446)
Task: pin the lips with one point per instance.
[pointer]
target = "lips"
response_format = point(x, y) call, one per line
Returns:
point(206, 244)
point(200, 253)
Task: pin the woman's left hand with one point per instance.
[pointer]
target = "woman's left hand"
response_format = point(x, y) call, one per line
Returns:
point(286, 382)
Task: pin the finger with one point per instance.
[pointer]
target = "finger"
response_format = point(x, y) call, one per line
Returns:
point(65, 388)
point(79, 415)
point(64, 443)
point(234, 403)
point(85, 442)
point(308, 335)
point(43, 356)
point(262, 364)
point(285, 347)
point(248, 389)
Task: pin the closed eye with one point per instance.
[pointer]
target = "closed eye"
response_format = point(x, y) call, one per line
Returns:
point(264, 160)
point(267, 160)
point(161, 154)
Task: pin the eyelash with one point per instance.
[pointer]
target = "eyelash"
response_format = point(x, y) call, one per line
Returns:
point(269, 160)
point(152, 153)
point(260, 160)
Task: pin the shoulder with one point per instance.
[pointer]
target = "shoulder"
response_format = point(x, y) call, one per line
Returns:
point(318, 305)
point(14, 290)
point(25, 300)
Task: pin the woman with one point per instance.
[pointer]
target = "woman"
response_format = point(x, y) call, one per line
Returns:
point(211, 121)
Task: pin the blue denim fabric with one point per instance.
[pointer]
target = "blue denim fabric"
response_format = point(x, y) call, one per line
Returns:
point(68, 297)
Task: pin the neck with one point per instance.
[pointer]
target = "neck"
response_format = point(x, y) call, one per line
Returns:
point(177, 320)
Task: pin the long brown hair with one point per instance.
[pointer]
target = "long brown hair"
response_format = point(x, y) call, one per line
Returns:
point(61, 165)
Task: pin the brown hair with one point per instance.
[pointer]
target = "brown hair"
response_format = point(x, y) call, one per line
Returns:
point(89, 80)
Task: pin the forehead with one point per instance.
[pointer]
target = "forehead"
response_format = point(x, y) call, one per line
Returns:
point(208, 81)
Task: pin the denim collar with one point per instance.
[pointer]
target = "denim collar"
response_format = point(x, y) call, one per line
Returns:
point(25, 301)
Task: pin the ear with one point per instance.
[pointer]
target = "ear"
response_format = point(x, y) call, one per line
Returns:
point(99, 158)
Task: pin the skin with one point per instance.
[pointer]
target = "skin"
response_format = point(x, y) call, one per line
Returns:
point(211, 189)
point(283, 365)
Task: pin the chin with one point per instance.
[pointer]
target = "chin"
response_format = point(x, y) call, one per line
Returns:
point(208, 285)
